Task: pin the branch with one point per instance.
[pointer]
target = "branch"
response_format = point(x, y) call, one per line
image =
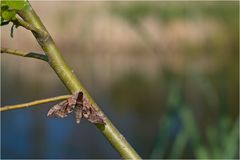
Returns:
point(21, 22)
point(71, 82)
point(25, 54)
point(34, 103)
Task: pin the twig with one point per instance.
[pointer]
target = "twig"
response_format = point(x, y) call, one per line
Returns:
point(28, 26)
point(25, 54)
point(34, 103)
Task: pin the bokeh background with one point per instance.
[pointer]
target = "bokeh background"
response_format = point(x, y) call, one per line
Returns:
point(166, 74)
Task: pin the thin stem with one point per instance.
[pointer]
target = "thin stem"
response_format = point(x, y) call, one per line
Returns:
point(28, 26)
point(72, 83)
point(34, 103)
point(25, 54)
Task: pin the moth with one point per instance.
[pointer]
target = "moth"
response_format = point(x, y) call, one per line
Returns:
point(80, 104)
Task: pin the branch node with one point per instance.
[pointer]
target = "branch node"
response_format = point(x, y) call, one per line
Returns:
point(28, 26)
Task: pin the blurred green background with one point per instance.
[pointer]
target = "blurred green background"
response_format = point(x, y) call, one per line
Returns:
point(166, 74)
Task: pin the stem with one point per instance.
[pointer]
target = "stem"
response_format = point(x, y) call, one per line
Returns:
point(72, 83)
point(34, 103)
point(25, 54)
point(28, 26)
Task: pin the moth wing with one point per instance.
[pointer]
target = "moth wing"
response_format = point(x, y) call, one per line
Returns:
point(60, 110)
point(96, 118)
point(92, 115)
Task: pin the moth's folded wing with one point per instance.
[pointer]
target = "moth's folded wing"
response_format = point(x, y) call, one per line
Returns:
point(60, 110)
point(96, 118)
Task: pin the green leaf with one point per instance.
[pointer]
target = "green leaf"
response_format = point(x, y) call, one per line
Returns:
point(4, 7)
point(16, 5)
point(8, 15)
point(9, 9)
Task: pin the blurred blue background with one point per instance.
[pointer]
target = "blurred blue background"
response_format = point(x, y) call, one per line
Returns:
point(165, 73)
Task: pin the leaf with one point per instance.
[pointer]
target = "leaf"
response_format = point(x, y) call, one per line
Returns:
point(16, 5)
point(9, 9)
point(8, 15)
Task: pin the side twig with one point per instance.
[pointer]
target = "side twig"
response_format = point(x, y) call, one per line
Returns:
point(25, 54)
point(34, 103)
point(21, 22)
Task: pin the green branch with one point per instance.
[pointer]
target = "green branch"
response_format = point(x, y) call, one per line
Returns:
point(34, 103)
point(72, 83)
point(21, 22)
point(25, 54)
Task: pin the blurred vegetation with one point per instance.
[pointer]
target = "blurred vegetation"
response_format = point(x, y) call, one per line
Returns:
point(165, 11)
point(187, 129)
point(199, 111)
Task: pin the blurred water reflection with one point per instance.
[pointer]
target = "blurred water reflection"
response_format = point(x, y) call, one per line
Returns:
point(166, 74)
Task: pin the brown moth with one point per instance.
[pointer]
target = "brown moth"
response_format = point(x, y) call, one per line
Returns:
point(82, 107)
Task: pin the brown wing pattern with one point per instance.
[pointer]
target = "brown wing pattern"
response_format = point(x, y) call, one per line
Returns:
point(82, 107)
point(60, 110)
